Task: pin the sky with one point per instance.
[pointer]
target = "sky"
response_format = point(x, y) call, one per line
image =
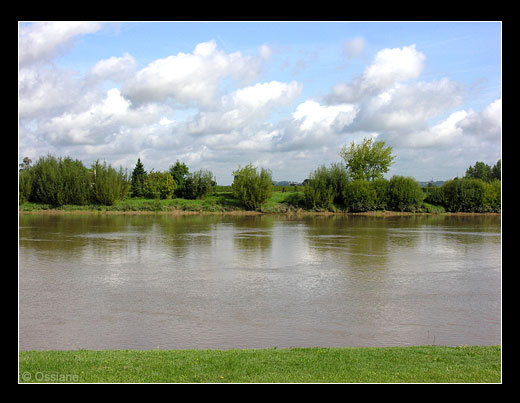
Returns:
point(281, 95)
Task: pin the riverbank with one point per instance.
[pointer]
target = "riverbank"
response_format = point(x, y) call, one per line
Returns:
point(420, 364)
point(285, 203)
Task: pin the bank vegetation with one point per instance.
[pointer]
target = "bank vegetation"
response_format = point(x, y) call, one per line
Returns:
point(355, 186)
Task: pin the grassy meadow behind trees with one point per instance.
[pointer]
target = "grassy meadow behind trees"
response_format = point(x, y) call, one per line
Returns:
point(355, 186)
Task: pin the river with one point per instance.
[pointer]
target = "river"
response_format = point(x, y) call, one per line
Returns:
point(99, 281)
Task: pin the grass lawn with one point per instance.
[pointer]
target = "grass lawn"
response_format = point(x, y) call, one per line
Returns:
point(422, 364)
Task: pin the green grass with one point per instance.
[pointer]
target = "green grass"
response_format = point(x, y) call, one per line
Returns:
point(283, 200)
point(422, 364)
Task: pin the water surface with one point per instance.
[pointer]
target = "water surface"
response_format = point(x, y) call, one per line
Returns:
point(160, 281)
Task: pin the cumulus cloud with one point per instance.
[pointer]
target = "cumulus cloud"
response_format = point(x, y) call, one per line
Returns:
point(243, 106)
point(114, 68)
point(389, 67)
point(102, 121)
point(41, 41)
point(461, 129)
point(190, 77)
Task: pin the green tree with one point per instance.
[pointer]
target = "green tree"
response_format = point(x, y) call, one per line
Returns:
point(60, 181)
point(180, 174)
point(108, 184)
point(138, 178)
point(25, 182)
point(404, 194)
point(368, 160)
point(496, 171)
point(252, 187)
point(325, 187)
point(198, 184)
point(159, 185)
point(480, 170)
point(359, 196)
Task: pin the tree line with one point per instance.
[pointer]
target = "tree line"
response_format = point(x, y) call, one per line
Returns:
point(356, 185)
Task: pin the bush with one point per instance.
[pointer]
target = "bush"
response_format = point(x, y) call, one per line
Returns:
point(318, 192)
point(325, 187)
point(492, 196)
point(25, 181)
point(198, 184)
point(472, 195)
point(159, 185)
point(58, 181)
point(337, 179)
point(252, 188)
point(359, 195)
point(382, 197)
point(404, 194)
point(108, 185)
point(435, 195)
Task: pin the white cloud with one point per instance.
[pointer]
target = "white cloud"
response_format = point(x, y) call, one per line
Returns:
point(103, 121)
point(190, 77)
point(244, 106)
point(389, 67)
point(46, 91)
point(486, 124)
point(311, 115)
point(41, 41)
point(114, 68)
point(461, 130)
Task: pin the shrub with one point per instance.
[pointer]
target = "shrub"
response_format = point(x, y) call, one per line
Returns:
point(472, 195)
point(25, 181)
point(108, 185)
point(198, 184)
point(492, 196)
point(404, 194)
point(318, 192)
point(159, 185)
point(381, 189)
point(359, 196)
point(337, 179)
point(435, 195)
point(251, 187)
point(58, 181)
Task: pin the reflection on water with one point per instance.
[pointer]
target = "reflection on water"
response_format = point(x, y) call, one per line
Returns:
point(160, 281)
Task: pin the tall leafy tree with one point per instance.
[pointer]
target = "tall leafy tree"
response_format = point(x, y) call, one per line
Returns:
point(368, 160)
point(496, 171)
point(138, 179)
point(180, 174)
point(480, 170)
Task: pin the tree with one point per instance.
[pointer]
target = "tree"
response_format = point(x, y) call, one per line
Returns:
point(496, 171)
point(325, 186)
point(138, 178)
point(368, 160)
point(180, 173)
point(404, 193)
point(108, 184)
point(198, 184)
point(251, 187)
point(159, 185)
point(480, 170)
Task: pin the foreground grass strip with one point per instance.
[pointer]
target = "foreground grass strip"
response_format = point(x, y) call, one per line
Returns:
point(295, 365)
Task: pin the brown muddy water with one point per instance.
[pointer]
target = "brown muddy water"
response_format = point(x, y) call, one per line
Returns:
point(182, 282)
